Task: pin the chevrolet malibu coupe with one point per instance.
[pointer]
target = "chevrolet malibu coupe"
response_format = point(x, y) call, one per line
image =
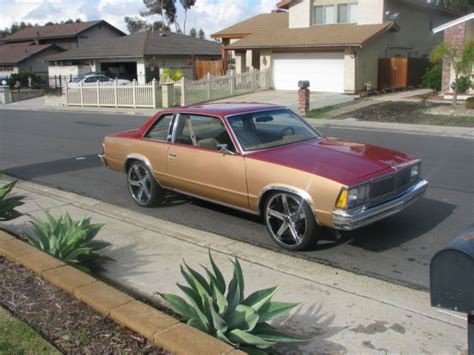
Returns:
point(265, 160)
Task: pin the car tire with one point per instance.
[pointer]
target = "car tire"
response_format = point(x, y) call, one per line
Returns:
point(142, 185)
point(289, 220)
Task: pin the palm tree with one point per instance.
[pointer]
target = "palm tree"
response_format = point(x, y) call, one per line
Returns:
point(186, 4)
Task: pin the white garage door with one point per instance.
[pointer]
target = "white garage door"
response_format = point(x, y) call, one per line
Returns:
point(325, 71)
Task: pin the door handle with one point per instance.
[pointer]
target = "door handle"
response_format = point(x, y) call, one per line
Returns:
point(172, 155)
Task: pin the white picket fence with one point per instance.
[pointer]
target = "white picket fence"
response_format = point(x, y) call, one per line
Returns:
point(185, 92)
point(133, 95)
point(188, 92)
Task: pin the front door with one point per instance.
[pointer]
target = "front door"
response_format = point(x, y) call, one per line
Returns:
point(197, 167)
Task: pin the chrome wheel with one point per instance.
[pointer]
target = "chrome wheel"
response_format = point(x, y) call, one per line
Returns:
point(140, 184)
point(287, 220)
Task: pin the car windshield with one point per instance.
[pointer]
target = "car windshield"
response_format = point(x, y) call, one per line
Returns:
point(269, 129)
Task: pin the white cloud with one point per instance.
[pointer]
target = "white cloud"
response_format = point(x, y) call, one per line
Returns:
point(210, 15)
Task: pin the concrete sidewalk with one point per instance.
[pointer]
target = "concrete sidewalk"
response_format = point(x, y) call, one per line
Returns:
point(340, 311)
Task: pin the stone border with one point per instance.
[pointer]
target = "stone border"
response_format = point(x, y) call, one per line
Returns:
point(158, 327)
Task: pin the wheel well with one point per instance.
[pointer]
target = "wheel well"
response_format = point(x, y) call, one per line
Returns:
point(128, 162)
point(268, 193)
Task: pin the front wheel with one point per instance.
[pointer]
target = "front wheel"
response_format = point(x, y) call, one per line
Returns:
point(142, 185)
point(289, 220)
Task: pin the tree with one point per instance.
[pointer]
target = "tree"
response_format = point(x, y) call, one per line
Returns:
point(166, 9)
point(461, 60)
point(193, 32)
point(202, 35)
point(135, 24)
point(186, 4)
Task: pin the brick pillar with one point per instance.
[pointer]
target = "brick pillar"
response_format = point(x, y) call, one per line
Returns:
point(303, 101)
point(454, 36)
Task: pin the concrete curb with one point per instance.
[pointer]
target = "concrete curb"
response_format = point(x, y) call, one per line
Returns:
point(156, 326)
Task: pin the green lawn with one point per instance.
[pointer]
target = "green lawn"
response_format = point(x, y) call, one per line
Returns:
point(17, 338)
point(320, 112)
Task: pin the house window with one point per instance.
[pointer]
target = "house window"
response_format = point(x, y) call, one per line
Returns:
point(324, 15)
point(340, 13)
point(347, 13)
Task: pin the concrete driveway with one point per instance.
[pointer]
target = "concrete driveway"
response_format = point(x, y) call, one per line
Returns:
point(290, 98)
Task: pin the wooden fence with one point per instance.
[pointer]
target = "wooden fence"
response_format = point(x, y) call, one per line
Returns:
point(134, 95)
point(397, 73)
point(212, 67)
point(188, 92)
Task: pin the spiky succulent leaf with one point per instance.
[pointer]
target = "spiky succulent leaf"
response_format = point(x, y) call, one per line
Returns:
point(69, 241)
point(258, 299)
point(240, 337)
point(179, 305)
point(8, 206)
point(220, 281)
point(244, 317)
point(274, 310)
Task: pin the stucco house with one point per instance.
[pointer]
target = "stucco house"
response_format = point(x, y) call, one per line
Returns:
point(25, 50)
point(16, 58)
point(141, 56)
point(456, 33)
point(335, 44)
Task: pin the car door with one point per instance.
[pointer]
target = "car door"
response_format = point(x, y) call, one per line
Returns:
point(197, 167)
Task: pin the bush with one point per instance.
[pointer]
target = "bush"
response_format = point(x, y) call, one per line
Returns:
point(174, 75)
point(71, 242)
point(470, 103)
point(8, 205)
point(433, 77)
point(464, 84)
point(22, 78)
point(239, 321)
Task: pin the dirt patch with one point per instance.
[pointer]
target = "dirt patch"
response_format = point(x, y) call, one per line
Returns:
point(68, 324)
point(414, 113)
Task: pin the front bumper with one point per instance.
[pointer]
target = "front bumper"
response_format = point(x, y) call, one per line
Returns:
point(350, 220)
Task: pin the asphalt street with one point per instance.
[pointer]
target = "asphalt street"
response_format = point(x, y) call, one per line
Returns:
point(59, 149)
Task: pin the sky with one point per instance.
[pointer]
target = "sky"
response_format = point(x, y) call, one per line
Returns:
point(210, 15)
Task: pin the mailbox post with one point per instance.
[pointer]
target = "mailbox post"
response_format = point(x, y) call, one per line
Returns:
point(303, 97)
point(452, 280)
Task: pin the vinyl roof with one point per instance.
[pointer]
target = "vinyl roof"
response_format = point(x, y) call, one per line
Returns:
point(142, 44)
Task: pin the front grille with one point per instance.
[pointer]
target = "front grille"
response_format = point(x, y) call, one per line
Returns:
point(389, 186)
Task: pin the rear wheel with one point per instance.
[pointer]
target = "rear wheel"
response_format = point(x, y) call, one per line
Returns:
point(142, 185)
point(289, 220)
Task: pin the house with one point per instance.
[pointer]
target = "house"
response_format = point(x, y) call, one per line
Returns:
point(141, 56)
point(335, 44)
point(24, 51)
point(456, 33)
point(67, 36)
point(16, 58)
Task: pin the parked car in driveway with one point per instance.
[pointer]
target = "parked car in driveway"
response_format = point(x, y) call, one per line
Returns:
point(266, 160)
point(91, 80)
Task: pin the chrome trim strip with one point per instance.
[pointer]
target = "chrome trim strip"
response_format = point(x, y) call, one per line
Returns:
point(350, 220)
point(299, 192)
point(213, 201)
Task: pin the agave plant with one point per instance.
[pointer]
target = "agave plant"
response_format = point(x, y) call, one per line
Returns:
point(238, 320)
point(69, 241)
point(8, 205)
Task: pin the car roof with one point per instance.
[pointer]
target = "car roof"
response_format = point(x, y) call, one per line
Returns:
point(227, 108)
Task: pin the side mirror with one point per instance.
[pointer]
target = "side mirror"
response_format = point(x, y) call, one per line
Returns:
point(224, 148)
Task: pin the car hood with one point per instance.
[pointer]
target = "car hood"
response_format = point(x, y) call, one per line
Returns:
point(340, 160)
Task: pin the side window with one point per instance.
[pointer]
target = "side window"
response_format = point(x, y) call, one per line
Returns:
point(202, 131)
point(91, 79)
point(160, 129)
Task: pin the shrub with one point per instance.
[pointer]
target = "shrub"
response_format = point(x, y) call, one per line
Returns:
point(174, 75)
point(470, 103)
point(464, 84)
point(8, 205)
point(71, 242)
point(22, 78)
point(432, 77)
point(238, 320)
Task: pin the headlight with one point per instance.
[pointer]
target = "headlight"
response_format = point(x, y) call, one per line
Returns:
point(415, 172)
point(353, 196)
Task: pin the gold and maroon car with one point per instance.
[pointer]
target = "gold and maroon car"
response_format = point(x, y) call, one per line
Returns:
point(265, 159)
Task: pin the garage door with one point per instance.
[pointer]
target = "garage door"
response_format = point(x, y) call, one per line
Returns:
point(325, 71)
